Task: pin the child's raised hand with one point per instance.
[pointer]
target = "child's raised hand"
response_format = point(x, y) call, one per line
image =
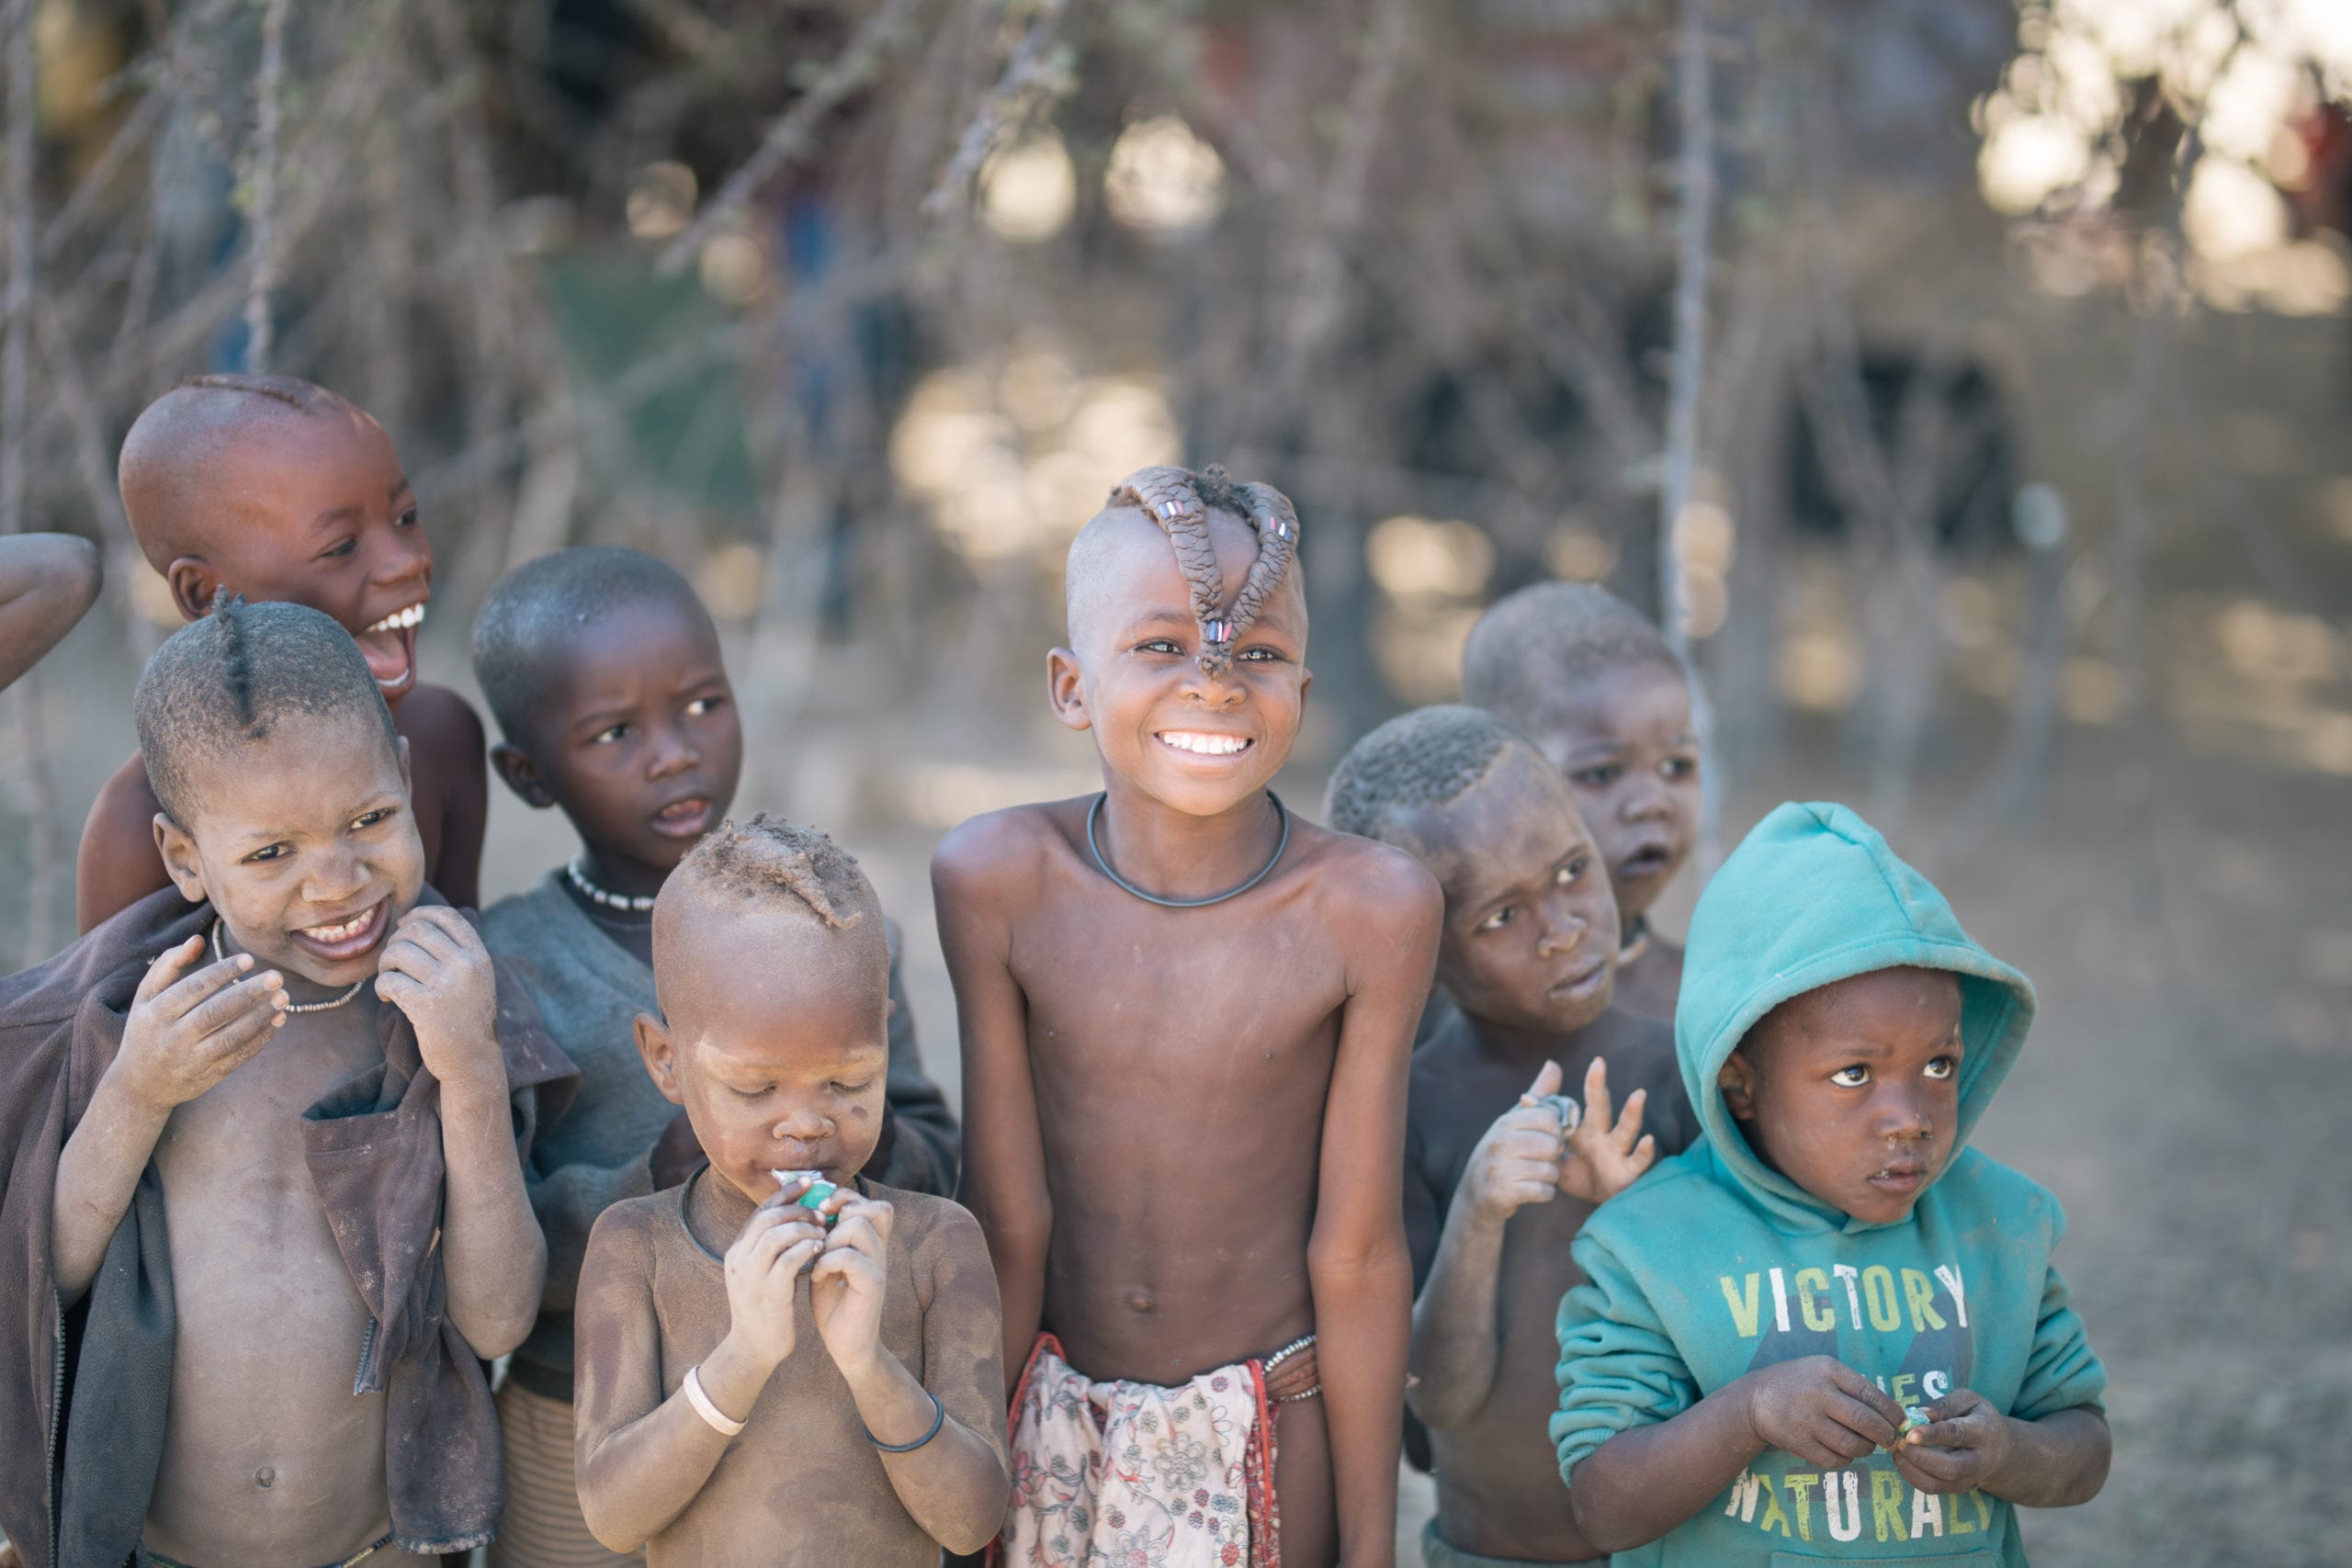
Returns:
point(846, 1287)
point(1821, 1410)
point(186, 1032)
point(764, 1268)
point(435, 969)
point(1604, 1157)
point(1965, 1441)
point(1518, 1162)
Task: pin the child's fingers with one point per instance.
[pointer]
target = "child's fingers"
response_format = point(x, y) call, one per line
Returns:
point(1548, 1081)
point(262, 993)
point(165, 971)
point(1931, 1470)
point(1598, 1106)
point(856, 1232)
point(444, 923)
point(1645, 1154)
point(408, 956)
point(1629, 1125)
point(191, 992)
point(230, 1047)
point(794, 1259)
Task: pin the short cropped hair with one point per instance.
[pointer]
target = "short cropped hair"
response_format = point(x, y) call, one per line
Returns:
point(1428, 757)
point(1531, 646)
point(166, 470)
point(230, 679)
point(527, 616)
point(770, 862)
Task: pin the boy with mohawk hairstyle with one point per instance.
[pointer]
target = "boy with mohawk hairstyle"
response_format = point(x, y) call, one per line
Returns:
point(1186, 1020)
point(1588, 679)
point(1500, 1170)
point(1829, 1330)
point(276, 489)
point(727, 1412)
point(264, 1133)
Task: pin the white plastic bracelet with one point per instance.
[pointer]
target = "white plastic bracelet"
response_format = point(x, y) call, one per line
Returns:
point(704, 1409)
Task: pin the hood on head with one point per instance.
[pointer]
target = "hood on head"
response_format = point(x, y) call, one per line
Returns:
point(1812, 896)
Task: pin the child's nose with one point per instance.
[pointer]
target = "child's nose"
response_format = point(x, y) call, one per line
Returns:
point(673, 753)
point(1563, 930)
point(1905, 1114)
point(334, 878)
point(1645, 798)
point(1213, 691)
point(801, 1124)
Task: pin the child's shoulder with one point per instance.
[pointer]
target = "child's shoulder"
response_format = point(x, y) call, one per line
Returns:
point(1002, 849)
point(627, 1231)
point(437, 717)
point(1978, 1190)
point(927, 1225)
point(1368, 875)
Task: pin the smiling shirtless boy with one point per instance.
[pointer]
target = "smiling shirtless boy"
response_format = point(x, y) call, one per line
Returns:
point(1186, 1020)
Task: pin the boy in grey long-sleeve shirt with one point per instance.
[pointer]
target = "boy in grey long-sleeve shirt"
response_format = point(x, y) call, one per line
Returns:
point(604, 673)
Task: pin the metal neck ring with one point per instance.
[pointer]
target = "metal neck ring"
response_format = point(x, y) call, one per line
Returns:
point(1094, 814)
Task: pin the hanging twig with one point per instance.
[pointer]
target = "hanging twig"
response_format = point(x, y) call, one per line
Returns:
point(263, 216)
point(794, 135)
point(1034, 71)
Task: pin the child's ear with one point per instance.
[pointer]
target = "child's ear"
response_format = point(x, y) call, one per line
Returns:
point(1065, 689)
point(661, 1055)
point(178, 850)
point(1737, 1080)
point(193, 583)
point(521, 776)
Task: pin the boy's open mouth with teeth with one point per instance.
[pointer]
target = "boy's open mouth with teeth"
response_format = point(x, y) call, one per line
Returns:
point(390, 646)
point(1203, 743)
point(340, 941)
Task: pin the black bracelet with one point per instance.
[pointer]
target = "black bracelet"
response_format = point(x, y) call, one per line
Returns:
point(938, 1419)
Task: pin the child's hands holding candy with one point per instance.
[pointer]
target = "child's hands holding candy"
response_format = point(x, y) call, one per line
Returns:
point(846, 1287)
point(1821, 1410)
point(1966, 1441)
point(764, 1268)
point(1605, 1156)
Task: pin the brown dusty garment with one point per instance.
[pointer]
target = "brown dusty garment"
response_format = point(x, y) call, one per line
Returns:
point(802, 1483)
point(374, 1151)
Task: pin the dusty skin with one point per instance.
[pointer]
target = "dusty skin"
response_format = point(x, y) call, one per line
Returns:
point(773, 1040)
point(268, 1458)
point(47, 581)
point(1493, 1193)
point(1147, 1091)
point(311, 509)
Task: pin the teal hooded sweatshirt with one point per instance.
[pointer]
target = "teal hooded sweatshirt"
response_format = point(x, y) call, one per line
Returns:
point(1714, 1265)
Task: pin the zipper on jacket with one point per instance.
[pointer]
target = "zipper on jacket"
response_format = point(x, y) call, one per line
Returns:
point(366, 1357)
point(56, 1417)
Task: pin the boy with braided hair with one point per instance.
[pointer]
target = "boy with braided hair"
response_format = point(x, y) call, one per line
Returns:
point(264, 1135)
point(783, 1360)
point(1590, 681)
point(278, 489)
point(1186, 1018)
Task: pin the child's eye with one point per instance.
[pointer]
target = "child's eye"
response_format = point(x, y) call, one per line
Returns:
point(1599, 776)
point(1157, 645)
point(267, 852)
point(1942, 1068)
point(853, 1088)
point(1854, 1076)
point(1678, 767)
point(1258, 655)
point(1500, 919)
point(370, 819)
point(408, 518)
point(610, 734)
point(340, 547)
point(751, 1093)
point(1566, 875)
point(702, 706)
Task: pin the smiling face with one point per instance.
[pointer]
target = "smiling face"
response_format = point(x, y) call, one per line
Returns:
point(1531, 929)
point(639, 743)
point(1625, 743)
point(304, 843)
point(776, 1035)
point(1853, 1091)
point(1199, 743)
point(312, 508)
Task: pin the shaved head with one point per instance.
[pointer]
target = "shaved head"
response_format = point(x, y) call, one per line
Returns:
point(182, 465)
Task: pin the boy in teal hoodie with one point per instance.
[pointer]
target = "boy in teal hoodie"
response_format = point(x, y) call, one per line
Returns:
point(1828, 1329)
